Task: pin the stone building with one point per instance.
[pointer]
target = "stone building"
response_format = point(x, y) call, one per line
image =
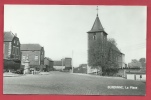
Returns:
point(99, 48)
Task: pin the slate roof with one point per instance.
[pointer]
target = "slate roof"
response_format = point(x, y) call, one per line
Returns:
point(115, 48)
point(30, 47)
point(8, 36)
point(97, 26)
point(48, 58)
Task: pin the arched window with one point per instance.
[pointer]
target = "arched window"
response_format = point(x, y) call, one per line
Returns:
point(94, 36)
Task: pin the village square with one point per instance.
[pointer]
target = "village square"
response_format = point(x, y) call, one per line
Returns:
point(102, 68)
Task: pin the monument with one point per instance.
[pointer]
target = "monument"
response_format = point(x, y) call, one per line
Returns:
point(26, 67)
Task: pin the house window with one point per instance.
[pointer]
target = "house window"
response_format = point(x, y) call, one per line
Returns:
point(10, 49)
point(17, 51)
point(17, 43)
point(23, 57)
point(13, 49)
point(94, 36)
point(104, 37)
point(36, 58)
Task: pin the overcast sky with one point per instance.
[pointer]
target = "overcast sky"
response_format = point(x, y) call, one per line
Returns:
point(62, 29)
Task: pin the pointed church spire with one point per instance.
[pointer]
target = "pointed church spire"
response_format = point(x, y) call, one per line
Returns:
point(97, 26)
point(97, 10)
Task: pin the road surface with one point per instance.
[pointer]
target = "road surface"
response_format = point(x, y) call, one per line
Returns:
point(63, 83)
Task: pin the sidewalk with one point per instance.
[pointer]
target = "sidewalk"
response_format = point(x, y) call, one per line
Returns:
point(9, 74)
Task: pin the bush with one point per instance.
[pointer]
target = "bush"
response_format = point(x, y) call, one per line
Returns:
point(110, 71)
point(11, 65)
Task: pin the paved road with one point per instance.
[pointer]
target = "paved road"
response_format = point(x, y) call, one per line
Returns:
point(67, 83)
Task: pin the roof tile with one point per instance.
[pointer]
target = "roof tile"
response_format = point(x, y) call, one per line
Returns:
point(30, 47)
point(8, 36)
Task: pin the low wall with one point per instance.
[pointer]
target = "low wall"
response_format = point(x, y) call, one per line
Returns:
point(121, 72)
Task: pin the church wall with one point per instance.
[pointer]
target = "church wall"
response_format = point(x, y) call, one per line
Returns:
point(93, 43)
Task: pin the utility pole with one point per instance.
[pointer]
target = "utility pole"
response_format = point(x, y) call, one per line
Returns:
point(72, 61)
point(62, 63)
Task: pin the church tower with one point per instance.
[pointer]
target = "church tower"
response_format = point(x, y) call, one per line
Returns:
point(97, 40)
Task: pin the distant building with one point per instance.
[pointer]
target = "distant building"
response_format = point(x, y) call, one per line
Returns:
point(12, 54)
point(81, 69)
point(136, 75)
point(63, 64)
point(98, 37)
point(48, 64)
point(35, 53)
point(68, 63)
point(59, 65)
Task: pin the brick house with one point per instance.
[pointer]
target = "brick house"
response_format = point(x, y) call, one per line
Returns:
point(35, 53)
point(48, 64)
point(11, 51)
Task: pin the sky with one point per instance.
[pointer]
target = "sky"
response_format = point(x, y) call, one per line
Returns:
point(62, 29)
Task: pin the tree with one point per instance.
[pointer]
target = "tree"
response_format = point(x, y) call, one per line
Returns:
point(11, 65)
point(112, 41)
point(134, 64)
point(101, 52)
point(143, 62)
point(110, 67)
